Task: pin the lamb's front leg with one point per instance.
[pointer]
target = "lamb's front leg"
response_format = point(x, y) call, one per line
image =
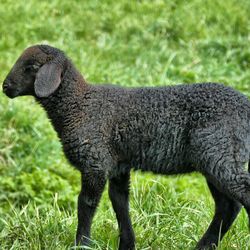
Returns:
point(118, 193)
point(88, 199)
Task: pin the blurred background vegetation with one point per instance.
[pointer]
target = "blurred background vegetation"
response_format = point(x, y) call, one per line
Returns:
point(130, 43)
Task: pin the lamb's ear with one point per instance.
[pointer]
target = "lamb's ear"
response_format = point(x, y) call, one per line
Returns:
point(48, 79)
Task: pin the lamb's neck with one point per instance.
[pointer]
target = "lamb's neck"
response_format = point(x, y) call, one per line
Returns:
point(66, 103)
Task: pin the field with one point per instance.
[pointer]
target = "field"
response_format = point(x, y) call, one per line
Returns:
point(129, 43)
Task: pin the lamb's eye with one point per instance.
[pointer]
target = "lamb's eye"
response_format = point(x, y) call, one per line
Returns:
point(32, 68)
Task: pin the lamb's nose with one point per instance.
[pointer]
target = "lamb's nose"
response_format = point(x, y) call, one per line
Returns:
point(5, 85)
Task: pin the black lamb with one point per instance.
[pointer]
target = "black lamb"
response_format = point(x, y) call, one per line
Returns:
point(107, 130)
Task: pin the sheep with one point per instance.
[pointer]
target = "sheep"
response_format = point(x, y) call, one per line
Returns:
point(106, 131)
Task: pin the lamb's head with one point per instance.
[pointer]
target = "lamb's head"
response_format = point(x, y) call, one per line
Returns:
point(38, 72)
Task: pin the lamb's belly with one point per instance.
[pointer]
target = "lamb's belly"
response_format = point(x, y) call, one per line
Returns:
point(162, 166)
point(160, 160)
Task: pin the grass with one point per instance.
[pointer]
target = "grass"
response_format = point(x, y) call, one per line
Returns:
point(130, 43)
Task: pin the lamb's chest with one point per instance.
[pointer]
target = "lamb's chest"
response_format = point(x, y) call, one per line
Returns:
point(78, 151)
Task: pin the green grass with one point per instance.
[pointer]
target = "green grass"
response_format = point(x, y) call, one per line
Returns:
point(130, 43)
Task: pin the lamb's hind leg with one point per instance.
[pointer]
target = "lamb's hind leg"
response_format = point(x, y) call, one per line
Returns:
point(232, 180)
point(219, 154)
point(226, 210)
point(118, 193)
